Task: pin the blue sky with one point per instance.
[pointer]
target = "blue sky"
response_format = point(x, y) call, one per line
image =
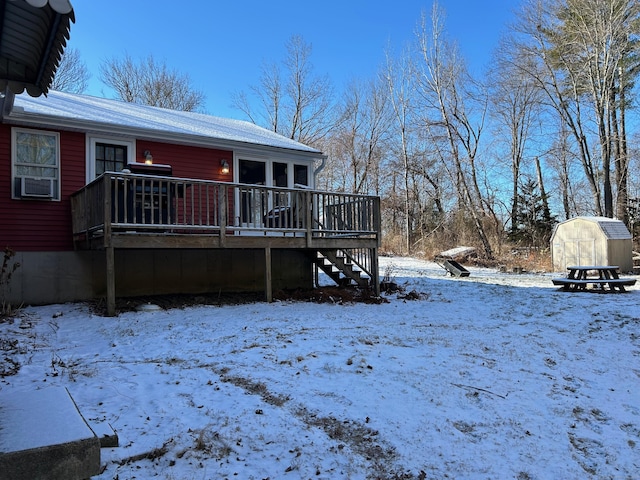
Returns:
point(222, 44)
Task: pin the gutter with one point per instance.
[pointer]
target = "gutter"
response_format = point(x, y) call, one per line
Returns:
point(321, 166)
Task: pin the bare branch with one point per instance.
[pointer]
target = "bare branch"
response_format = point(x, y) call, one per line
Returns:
point(72, 75)
point(149, 82)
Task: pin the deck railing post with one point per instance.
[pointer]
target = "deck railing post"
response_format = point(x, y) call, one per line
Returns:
point(377, 221)
point(223, 209)
point(108, 204)
point(308, 215)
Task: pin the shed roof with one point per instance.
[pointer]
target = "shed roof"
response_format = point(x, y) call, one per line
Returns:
point(612, 228)
point(33, 35)
point(94, 114)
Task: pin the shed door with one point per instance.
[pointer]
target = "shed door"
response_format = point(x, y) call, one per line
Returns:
point(580, 252)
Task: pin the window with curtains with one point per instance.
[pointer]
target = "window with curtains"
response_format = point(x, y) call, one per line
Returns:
point(35, 156)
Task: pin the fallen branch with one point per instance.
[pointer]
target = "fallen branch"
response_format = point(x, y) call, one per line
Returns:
point(469, 387)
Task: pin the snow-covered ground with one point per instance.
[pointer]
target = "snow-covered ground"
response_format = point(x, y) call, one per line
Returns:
point(491, 376)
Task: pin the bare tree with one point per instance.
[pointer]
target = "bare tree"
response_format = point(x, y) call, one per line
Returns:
point(560, 157)
point(72, 75)
point(362, 133)
point(270, 96)
point(516, 107)
point(309, 109)
point(421, 183)
point(292, 99)
point(454, 113)
point(561, 90)
point(578, 49)
point(595, 42)
point(400, 80)
point(148, 82)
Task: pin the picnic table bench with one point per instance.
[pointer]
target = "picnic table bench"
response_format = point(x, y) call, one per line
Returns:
point(599, 276)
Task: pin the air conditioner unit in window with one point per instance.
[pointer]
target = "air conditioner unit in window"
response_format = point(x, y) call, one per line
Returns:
point(36, 187)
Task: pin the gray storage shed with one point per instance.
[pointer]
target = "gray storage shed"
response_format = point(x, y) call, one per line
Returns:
point(591, 241)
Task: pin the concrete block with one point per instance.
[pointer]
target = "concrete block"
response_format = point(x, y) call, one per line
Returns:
point(43, 435)
point(105, 432)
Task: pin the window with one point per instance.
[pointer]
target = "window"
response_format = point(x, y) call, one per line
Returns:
point(36, 164)
point(110, 158)
point(280, 175)
point(252, 172)
point(108, 155)
point(301, 175)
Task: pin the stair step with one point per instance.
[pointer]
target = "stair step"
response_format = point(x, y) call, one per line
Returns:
point(340, 268)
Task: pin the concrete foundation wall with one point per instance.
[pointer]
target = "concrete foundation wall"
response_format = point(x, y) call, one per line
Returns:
point(57, 277)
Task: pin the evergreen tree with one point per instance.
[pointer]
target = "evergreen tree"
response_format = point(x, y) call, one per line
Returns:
point(533, 223)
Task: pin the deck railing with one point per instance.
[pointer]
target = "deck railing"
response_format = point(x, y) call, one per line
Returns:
point(123, 202)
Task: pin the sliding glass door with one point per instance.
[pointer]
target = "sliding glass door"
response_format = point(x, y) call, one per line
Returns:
point(256, 206)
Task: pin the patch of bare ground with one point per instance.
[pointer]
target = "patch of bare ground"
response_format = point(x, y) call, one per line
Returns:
point(13, 350)
point(357, 436)
point(339, 295)
point(362, 440)
point(517, 260)
point(8, 366)
point(256, 388)
point(166, 302)
point(150, 455)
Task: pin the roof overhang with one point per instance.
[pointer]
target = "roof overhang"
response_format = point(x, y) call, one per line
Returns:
point(19, 117)
point(33, 36)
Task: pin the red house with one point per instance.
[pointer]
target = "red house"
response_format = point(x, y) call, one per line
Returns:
point(101, 198)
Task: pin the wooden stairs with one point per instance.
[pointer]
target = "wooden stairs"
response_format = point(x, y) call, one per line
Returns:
point(341, 268)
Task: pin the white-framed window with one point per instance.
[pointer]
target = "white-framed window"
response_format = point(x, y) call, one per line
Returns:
point(35, 164)
point(106, 154)
point(301, 175)
point(283, 172)
point(273, 172)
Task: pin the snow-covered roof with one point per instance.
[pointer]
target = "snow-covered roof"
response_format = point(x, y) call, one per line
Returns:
point(611, 227)
point(94, 114)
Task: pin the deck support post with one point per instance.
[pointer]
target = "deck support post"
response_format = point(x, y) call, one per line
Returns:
point(375, 273)
point(267, 275)
point(111, 281)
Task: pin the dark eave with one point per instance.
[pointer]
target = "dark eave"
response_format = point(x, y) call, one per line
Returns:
point(33, 36)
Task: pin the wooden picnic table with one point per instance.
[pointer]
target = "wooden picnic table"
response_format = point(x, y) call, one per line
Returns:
point(599, 276)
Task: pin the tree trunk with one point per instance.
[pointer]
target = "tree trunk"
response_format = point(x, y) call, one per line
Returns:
point(621, 157)
point(543, 193)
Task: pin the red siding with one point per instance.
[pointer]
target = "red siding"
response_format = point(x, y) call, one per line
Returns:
point(188, 162)
point(40, 225)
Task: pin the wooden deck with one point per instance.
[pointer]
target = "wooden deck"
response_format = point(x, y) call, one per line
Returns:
point(134, 211)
